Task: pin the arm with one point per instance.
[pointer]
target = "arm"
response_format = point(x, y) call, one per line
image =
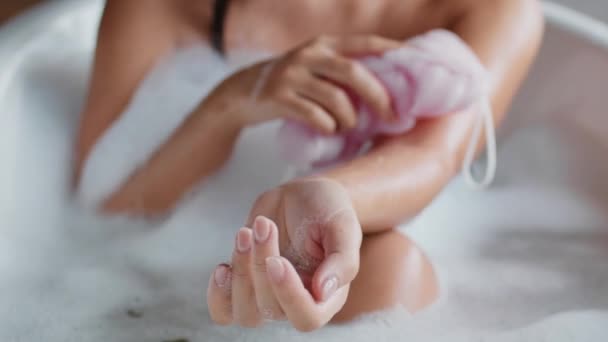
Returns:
point(402, 175)
point(314, 236)
point(296, 87)
point(126, 51)
point(132, 39)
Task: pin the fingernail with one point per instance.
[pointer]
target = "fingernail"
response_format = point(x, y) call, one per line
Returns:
point(221, 276)
point(243, 240)
point(275, 268)
point(261, 230)
point(329, 288)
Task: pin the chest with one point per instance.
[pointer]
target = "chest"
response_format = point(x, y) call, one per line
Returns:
point(280, 25)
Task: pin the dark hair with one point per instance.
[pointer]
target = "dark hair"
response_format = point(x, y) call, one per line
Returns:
point(220, 8)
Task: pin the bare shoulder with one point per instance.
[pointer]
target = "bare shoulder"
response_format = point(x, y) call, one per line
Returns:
point(503, 11)
point(506, 27)
point(402, 19)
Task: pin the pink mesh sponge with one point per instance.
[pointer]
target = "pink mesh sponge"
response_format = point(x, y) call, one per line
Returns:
point(433, 74)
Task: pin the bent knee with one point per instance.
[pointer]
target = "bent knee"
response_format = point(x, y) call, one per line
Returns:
point(394, 271)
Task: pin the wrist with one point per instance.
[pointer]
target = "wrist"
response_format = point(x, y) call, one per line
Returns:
point(234, 98)
point(321, 183)
point(220, 110)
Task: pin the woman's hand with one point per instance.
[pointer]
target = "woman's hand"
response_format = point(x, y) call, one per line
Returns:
point(296, 262)
point(306, 84)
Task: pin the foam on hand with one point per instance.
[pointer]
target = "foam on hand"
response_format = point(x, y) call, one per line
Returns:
point(432, 75)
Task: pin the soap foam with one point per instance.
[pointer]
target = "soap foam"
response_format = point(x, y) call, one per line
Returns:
point(72, 276)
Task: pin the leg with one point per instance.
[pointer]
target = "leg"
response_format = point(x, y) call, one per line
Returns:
point(393, 272)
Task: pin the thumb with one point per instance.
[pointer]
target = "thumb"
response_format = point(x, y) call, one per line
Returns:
point(341, 243)
point(336, 271)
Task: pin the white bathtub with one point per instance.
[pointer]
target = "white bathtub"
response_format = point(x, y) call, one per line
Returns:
point(526, 260)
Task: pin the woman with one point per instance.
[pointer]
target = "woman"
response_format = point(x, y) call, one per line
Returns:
point(283, 267)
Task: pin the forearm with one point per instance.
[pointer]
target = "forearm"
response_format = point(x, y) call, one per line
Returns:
point(395, 181)
point(199, 147)
point(398, 178)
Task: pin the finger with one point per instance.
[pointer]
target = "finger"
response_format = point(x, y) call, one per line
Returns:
point(297, 303)
point(332, 98)
point(244, 307)
point(359, 79)
point(361, 45)
point(311, 113)
point(266, 245)
point(342, 252)
point(219, 294)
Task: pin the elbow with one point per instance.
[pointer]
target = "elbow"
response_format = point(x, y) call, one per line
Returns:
point(102, 164)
